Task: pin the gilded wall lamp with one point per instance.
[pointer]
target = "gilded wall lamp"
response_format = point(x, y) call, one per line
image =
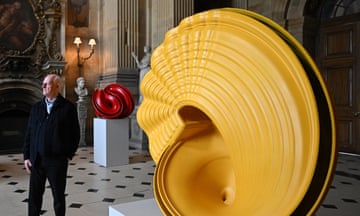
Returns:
point(81, 60)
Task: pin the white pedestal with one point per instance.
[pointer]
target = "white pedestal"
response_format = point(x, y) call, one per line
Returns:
point(146, 207)
point(111, 141)
point(138, 138)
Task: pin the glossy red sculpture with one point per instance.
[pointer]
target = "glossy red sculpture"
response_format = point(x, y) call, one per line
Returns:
point(113, 102)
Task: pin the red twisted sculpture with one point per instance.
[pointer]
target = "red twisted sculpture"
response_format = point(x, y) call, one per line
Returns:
point(113, 102)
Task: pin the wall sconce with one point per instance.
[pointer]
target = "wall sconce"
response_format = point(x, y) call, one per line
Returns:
point(81, 60)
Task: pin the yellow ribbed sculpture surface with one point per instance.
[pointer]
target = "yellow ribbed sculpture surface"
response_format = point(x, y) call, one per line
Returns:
point(238, 118)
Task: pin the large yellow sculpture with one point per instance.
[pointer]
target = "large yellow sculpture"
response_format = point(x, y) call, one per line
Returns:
point(238, 118)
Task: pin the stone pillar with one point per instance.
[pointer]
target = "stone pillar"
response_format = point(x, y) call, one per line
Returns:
point(295, 27)
point(166, 15)
point(240, 4)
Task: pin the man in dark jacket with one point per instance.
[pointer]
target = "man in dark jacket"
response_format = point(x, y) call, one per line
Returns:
point(51, 140)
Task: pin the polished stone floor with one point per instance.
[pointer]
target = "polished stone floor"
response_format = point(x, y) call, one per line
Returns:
point(92, 188)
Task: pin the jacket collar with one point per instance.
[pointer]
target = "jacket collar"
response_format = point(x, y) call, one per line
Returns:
point(58, 100)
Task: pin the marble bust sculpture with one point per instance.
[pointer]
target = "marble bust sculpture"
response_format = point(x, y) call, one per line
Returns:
point(80, 89)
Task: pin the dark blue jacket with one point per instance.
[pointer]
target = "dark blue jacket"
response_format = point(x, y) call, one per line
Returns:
point(52, 135)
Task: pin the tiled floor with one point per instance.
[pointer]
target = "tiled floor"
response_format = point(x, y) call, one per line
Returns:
point(91, 188)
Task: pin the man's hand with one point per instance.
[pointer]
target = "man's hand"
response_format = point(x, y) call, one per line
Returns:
point(28, 165)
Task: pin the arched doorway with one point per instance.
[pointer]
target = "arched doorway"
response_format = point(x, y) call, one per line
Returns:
point(12, 126)
point(16, 100)
point(338, 57)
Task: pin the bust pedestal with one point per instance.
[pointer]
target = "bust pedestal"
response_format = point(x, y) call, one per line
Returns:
point(82, 104)
point(138, 138)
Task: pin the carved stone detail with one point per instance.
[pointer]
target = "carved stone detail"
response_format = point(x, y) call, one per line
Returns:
point(33, 62)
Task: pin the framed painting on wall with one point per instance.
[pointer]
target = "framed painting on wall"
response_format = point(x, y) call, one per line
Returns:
point(18, 25)
point(78, 13)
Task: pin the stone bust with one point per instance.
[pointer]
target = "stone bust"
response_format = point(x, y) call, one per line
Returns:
point(80, 89)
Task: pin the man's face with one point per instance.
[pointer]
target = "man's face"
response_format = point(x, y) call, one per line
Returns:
point(50, 89)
